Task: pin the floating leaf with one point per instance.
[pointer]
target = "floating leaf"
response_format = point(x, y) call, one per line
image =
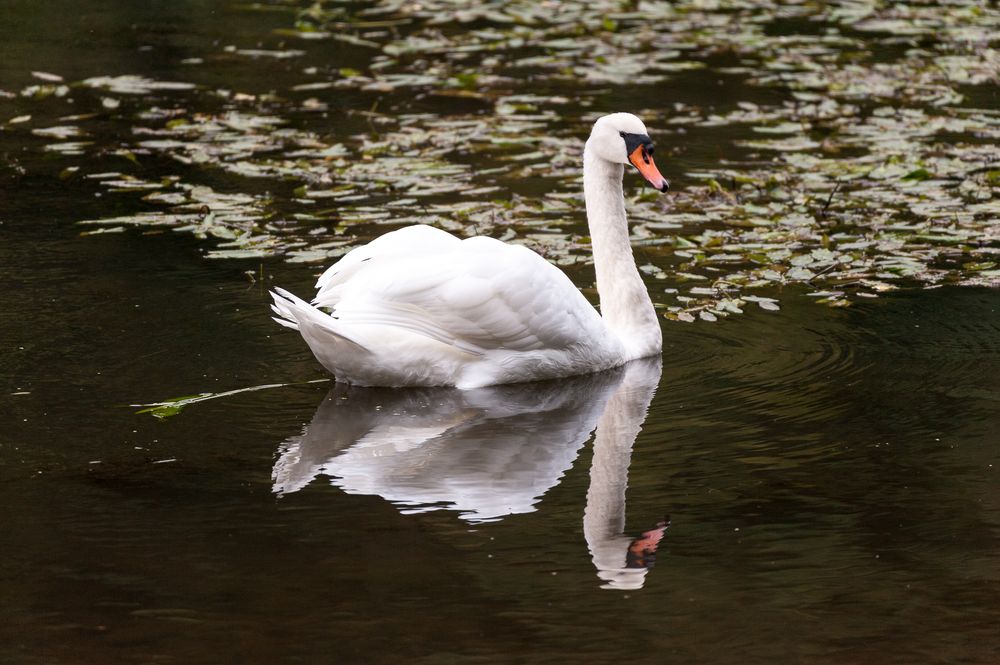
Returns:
point(174, 405)
point(918, 174)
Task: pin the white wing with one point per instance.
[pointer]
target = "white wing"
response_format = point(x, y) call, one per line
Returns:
point(478, 294)
point(406, 242)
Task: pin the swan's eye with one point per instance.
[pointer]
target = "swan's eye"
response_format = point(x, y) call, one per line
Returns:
point(635, 141)
point(649, 149)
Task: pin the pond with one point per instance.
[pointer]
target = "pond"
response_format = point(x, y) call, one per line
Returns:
point(807, 475)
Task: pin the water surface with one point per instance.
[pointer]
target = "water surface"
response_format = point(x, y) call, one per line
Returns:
point(814, 484)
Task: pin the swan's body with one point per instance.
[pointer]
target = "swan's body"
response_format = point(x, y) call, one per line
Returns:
point(420, 307)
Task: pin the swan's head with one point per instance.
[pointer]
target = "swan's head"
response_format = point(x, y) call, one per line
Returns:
point(621, 138)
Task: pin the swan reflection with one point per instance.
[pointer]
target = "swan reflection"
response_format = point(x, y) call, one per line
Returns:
point(488, 452)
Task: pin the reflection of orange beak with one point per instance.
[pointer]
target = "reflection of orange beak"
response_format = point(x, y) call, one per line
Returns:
point(642, 550)
point(643, 161)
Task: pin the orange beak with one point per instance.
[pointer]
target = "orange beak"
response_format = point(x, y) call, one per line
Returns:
point(643, 161)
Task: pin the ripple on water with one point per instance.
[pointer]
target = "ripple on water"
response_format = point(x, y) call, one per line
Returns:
point(770, 369)
point(772, 420)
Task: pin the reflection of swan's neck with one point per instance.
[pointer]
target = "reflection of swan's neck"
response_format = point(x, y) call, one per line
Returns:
point(604, 515)
point(625, 304)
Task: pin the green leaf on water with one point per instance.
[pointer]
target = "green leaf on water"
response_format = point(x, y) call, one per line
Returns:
point(174, 405)
point(918, 175)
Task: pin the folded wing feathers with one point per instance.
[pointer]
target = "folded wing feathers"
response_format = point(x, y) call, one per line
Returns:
point(474, 295)
point(409, 241)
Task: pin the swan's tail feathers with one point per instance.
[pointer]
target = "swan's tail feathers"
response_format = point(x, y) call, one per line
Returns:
point(314, 324)
point(284, 306)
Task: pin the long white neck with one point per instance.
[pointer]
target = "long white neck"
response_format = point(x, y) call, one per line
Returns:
point(625, 304)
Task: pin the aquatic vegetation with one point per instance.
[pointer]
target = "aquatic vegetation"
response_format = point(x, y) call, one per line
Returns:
point(845, 148)
point(174, 405)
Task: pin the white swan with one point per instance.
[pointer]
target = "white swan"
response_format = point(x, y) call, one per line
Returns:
point(420, 307)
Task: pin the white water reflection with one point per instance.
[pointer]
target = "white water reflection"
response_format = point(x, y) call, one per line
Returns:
point(621, 561)
point(487, 453)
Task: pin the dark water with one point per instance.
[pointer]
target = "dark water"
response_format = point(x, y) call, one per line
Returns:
point(828, 474)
